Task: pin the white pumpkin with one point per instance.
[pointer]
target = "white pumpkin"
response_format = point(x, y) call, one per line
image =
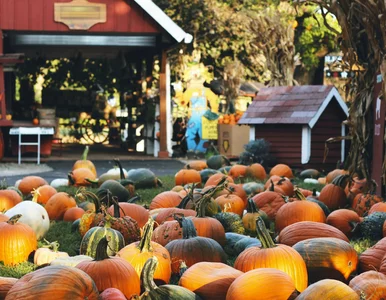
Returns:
point(71, 261)
point(33, 214)
point(116, 172)
point(58, 182)
point(17, 183)
point(46, 255)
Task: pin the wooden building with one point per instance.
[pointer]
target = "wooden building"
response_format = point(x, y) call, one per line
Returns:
point(96, 28)
point(297, 121)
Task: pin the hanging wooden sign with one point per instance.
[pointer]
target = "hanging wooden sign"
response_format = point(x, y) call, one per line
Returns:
point(80, 14)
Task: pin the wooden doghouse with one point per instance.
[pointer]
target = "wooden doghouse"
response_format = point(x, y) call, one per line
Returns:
point(297, 121)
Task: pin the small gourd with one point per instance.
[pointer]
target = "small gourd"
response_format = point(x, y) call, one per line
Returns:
point(48, 253)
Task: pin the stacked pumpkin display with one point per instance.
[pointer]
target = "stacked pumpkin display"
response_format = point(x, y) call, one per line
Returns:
point(223, 232)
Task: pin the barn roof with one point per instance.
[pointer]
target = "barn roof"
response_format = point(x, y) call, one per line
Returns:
point(291, 105)
point(164, 21)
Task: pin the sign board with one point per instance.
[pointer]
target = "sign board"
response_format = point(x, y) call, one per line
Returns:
point(209, 129)
point(80, 14)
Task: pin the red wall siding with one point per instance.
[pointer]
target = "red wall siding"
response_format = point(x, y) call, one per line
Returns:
point(285, 140)
point(38, 15)
point(328, 125)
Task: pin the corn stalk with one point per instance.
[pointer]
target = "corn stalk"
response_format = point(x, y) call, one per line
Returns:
point(362, 41)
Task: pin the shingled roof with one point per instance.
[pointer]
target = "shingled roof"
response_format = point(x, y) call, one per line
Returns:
point(291, 105)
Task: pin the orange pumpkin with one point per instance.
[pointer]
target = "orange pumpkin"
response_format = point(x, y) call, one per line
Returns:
point(256, 171)
point(281, 185)
point(281, 257)
point(281, 170)
point(370, 283)
point(80, 176)
point(8, 199)
point(303, 230)
point(165, 199)
point(5, 285)
point(263, 283)
point(328, 258)
point(335, 173)
point(57, 205)
point(355, 186)
point(209, 280)
point(44, 193)
point(72, 214)
point(296, 211)
point(238, 172)
point(111, 272)
point(138, 253)
point(249, 219)
point(166, 214)
point(197, 165)
point(345, 220)
point(371, 258)
point(135, 211)
point(18, 240)
point(362, 203)
point(29, 183)
point(85, 163)
point(269, 202)
point(378, 207)
point(61, 281)
point(333, 194)
point(232, 203)
point(328, 289)
point(216, 178)
point(185, 176)
point(166, 232)
point(3, 217)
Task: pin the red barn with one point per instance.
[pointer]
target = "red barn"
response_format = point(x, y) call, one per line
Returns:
point(297, 121)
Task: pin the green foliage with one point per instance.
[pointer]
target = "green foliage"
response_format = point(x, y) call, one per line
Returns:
point(61, 232)
point(256, 151)
point(313, 40)
point(17, 271)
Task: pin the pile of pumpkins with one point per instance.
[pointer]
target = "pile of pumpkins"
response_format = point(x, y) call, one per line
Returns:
point(230, 119)
point(224, 231)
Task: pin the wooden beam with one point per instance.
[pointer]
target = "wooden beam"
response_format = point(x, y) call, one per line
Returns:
point(163, 152)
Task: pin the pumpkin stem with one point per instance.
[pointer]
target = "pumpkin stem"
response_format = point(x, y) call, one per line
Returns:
point(54, 246)
point(85, 153)
point(118, 163)
point(147, 274)
point(183, 268)
point(134, 199)
point(263, 234)
point(188, 230)
point(101, 250)
point(71, 178)
point(206, 198)
point(35, 196)
point(354, 226)
point(272, 187)
point(187, 198)
point(299, 194)
point(145, 243)
point(13, 220)
point(159, 183)
point(314, 193)
point(251, 206)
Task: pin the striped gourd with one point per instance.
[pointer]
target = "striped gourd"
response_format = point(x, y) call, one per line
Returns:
point(92, 237)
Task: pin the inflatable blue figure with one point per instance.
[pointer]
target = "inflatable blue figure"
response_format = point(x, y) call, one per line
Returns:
point(198, 106)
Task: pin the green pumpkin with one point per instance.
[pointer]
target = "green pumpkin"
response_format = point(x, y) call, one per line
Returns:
point(206, 173)
point(217, 161)
point(116, 189)
point(225, 170)
point(143, 178)
point(253, 188)
point(371, 226)
point(231, 222)
point(163, 292)
point(92, 237)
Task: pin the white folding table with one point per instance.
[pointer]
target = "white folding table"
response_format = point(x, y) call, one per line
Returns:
point(38, 131)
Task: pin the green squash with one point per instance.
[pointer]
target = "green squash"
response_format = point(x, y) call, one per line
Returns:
point(92, 237)
point(231, 222)
point(217, 161)
point(246, 243)
point(206, 173)
point(163, 292)
point(310, 173)
point(75, 226)
point(116, 189)
point(371, 226)
point(143, 178)
point(231, 239)
point(253, 188)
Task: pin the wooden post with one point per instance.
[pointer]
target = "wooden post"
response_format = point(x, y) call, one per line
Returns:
point(379, 129)
point(163, 152)
point(3, 108)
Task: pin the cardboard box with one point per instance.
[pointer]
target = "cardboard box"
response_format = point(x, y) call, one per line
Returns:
point(232, 138)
